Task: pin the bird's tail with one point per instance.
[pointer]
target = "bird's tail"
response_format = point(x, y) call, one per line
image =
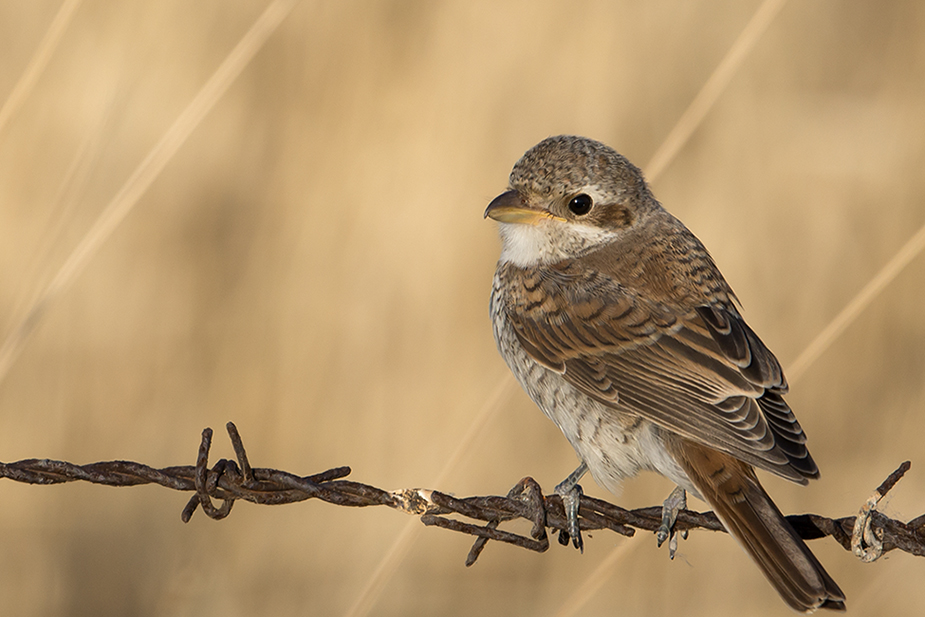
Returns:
point(732, 489)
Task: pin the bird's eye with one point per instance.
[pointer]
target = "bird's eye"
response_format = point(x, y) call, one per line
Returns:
point(580, 204)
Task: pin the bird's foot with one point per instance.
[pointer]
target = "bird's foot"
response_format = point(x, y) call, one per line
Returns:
point(570, 492)
point(676, 502)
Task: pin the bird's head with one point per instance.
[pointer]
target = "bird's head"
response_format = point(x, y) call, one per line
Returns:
point(568, 196)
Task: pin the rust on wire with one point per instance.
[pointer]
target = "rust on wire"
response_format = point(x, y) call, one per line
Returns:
point(228, 481)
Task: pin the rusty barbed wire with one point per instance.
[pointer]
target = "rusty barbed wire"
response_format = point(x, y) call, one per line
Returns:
point(229, 481)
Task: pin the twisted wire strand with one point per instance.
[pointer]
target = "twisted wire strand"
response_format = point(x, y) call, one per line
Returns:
point(230, 480)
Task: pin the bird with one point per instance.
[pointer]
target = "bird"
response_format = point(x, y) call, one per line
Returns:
point(617, 323)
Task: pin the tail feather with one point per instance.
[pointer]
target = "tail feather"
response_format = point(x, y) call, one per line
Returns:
point(732, 489)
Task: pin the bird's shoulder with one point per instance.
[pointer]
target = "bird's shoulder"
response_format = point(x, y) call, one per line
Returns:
point(661, 260)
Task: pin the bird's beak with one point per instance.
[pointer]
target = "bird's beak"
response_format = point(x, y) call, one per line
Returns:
point(509, 207)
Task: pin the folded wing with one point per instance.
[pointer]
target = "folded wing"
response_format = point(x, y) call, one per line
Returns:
point(701, 374)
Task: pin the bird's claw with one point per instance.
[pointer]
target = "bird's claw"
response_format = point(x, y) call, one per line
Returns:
point(571, 499)
point(570, 492)
point(676, 502)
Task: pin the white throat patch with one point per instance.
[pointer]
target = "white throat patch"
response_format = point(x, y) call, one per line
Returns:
point(547, 241)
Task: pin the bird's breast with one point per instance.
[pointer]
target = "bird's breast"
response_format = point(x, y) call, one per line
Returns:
point(614, 444)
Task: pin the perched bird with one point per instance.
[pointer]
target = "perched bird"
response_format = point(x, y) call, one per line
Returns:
point(617, 323)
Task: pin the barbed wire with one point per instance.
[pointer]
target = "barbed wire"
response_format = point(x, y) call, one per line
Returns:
point(228, 481)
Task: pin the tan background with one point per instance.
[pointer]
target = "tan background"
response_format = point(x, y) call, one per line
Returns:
point(313, 265)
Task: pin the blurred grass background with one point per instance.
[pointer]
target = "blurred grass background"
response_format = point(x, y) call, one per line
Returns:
point(313, 265)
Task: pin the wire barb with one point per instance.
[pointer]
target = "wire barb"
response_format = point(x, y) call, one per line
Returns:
point(866, 539)
point(229, 481)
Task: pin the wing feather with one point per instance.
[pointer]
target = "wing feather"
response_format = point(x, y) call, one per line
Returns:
point(701, 373)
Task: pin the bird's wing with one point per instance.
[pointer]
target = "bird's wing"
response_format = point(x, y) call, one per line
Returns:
point(703, 374)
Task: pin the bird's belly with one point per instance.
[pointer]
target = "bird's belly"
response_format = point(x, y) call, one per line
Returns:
point(614, 444)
